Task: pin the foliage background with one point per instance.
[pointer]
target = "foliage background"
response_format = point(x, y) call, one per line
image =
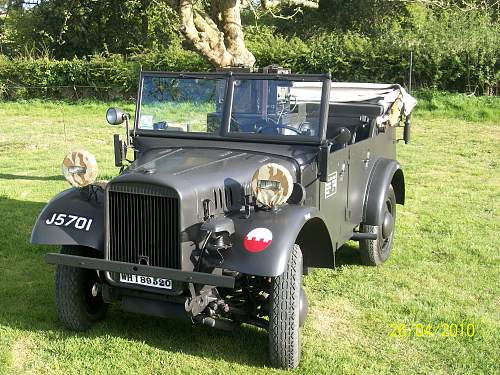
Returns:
point(456, 45)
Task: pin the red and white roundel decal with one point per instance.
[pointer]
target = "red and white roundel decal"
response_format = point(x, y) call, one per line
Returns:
point(258, 240)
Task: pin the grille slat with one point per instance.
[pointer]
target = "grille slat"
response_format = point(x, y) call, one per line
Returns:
point(144, 221)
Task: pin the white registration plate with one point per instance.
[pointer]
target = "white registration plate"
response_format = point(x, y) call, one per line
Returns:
point(154, 282)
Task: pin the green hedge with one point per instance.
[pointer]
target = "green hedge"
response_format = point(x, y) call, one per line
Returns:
point(101, 77)
point(446, 60)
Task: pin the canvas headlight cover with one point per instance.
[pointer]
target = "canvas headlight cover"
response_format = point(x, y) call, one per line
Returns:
point(272, 185)
point(79, 168)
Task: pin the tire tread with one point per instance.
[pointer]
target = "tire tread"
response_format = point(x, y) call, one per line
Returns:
point(284, 330)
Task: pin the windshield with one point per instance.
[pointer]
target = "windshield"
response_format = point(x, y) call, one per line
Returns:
point(275, 107)
point(261, 108)
point(182, 104)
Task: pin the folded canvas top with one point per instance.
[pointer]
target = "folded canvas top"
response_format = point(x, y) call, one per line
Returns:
point(349, 92)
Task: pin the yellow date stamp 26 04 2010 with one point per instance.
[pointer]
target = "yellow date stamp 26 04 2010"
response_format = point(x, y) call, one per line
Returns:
point(434, 329)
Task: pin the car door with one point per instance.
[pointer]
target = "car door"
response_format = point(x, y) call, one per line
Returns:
point(333, 196)
point(360, 159)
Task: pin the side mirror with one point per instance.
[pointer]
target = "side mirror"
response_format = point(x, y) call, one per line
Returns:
point(116, 116)
point(343, 136)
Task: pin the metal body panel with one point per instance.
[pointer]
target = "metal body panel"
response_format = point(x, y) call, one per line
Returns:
point(197, 174)
point(77, 202)
point(363, 158)
point(380, 179)
point(285, 225)
point(333, 196)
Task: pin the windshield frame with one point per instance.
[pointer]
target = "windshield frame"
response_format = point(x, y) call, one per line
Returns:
point(224, 133)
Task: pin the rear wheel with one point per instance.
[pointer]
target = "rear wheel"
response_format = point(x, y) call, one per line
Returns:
point(284, 315)
point(78, 293)
point(376, 252)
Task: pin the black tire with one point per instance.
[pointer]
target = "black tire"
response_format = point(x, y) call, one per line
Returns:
point(79, 305)
point(284, 314)
point(376, 252)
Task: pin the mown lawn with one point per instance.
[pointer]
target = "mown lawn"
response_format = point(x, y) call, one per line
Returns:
point(445, 268)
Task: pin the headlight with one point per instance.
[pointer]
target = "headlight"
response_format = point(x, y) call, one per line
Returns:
point(272, 185)
point(79, 168)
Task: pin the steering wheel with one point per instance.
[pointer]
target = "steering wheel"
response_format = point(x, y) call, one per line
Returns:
point(234, 123)
point(276, 127)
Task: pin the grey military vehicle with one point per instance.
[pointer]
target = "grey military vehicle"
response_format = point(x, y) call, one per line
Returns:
point(232, 186)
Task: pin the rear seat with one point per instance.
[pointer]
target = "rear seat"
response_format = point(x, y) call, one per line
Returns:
point(349, 115)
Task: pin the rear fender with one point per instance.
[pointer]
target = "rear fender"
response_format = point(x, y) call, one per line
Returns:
point(251, 254)
point(386, 172)
point(73, 217)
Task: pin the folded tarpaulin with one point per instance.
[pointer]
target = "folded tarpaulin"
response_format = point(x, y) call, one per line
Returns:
point(349, 92)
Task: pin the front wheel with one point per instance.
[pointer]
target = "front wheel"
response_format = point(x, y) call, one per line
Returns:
point(284, 314)
point(376, 252)
point(78, 293)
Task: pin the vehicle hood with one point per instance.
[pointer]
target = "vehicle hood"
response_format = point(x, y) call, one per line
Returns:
point(223, 176)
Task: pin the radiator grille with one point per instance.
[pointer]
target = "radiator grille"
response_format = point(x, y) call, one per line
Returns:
point(144, 224)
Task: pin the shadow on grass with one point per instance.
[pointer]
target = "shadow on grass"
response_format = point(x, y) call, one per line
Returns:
point(348, 255)
point(27, 303)
point(4, 176)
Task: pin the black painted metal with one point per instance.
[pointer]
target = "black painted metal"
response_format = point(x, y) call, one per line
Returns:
point(358, 236)
point(161, 309)
point(137, 269)
point(407, 129)
point(76, 202)
point(380, 180)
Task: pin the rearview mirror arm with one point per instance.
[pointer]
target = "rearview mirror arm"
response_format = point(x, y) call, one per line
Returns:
point(126, 117)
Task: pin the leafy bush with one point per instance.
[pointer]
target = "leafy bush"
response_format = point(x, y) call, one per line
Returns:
point(453, 50)
point(110, 77)
point(39, 78)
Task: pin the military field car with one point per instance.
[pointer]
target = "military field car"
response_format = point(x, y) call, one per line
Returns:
point(232, 186)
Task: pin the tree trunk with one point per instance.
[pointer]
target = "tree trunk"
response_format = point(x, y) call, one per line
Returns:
point(145, 22)
point(222, 48)
point(218, 36)
point(233, 34)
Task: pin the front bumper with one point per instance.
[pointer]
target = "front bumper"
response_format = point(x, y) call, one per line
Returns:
point(142, 270)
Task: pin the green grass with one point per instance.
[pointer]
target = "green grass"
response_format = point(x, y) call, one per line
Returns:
point(445, 267)
point(180, 115)
point(458, 106)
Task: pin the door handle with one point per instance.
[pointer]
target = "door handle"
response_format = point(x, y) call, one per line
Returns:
point(342, 170)
point(366, 161)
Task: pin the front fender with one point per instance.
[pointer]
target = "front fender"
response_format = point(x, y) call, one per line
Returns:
point(284, 225)
point(75, 202)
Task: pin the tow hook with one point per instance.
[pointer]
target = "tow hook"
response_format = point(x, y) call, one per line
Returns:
point(96, 289)
point(203, 308)
point(197, 303)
